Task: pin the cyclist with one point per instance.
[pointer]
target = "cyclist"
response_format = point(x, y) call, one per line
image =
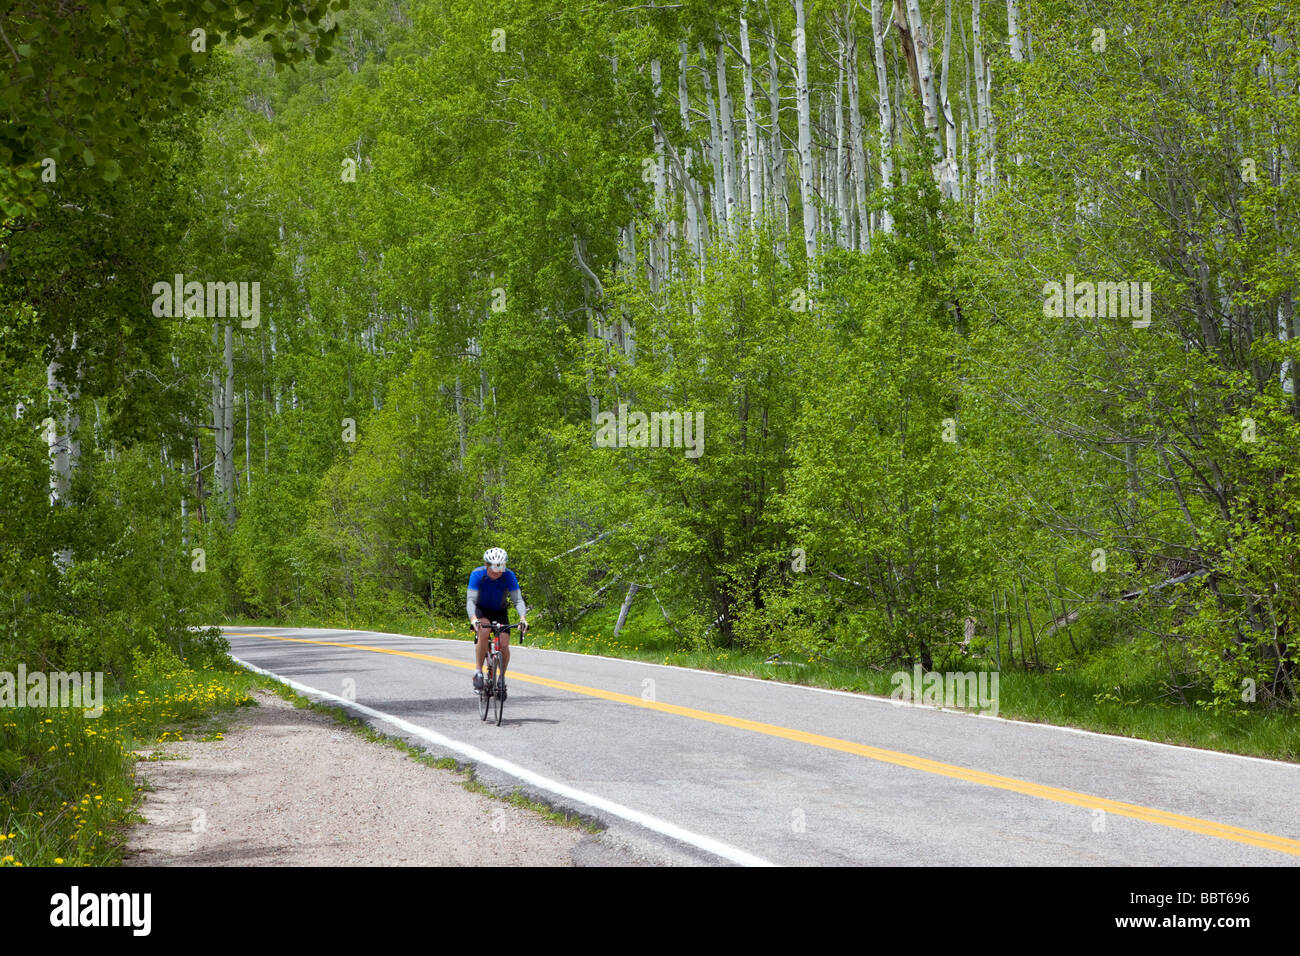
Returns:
point(485, 602)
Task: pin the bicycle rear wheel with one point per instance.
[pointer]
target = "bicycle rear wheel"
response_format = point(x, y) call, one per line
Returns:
point(483, 695)
point(499, 696)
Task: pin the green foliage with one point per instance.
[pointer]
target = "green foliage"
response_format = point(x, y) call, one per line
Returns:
point(86, 85)
point(395, 514)
point(904, 455)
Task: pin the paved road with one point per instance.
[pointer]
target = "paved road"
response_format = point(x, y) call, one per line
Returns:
point(695, 767)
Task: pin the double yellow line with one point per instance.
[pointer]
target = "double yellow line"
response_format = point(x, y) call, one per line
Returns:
point(1148, 814)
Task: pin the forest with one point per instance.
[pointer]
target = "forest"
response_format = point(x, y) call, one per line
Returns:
point(938, 332)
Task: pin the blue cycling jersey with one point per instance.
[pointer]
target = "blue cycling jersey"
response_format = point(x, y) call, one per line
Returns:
point(490, 594)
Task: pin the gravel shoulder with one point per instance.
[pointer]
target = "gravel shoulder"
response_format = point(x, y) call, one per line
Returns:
point(290, 786)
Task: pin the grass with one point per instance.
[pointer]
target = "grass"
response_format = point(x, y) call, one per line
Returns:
point(68, 789)
point(1120, 690)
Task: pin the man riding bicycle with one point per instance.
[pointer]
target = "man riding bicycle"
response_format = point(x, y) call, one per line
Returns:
point(485, 603)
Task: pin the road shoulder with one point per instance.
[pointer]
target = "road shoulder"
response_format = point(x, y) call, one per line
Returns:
point(289, 786)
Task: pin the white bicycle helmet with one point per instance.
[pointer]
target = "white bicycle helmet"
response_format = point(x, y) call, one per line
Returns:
point(494, 558)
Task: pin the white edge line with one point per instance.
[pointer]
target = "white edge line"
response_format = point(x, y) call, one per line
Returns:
point(840, 693)
point(708, 844)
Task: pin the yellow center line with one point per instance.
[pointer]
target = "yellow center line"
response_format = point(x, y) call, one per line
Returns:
point(1148, 814)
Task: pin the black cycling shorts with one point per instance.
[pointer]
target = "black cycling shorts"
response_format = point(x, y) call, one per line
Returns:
point(496, 616)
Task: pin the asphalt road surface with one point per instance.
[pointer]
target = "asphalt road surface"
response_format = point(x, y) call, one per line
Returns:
point(693, 767)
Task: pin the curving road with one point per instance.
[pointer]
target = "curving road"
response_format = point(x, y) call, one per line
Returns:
point(692, 767)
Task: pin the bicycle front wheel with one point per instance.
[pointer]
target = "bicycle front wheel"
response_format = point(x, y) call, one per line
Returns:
point(483, 697)
point(498, 695)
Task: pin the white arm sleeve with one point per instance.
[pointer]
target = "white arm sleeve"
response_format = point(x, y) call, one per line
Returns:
point(471, 601)
point(520, 608)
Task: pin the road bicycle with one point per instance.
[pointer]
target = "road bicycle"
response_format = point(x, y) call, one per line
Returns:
point(493, 693)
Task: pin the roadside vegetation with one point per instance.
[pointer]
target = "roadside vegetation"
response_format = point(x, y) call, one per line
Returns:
point(68, 782)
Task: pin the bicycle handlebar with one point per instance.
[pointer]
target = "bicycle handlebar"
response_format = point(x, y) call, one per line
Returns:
point(495, 628)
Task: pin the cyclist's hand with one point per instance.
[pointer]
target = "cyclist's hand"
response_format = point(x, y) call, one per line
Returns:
point(523, 627)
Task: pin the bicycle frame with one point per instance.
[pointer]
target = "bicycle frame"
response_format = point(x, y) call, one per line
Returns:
point(495, 669)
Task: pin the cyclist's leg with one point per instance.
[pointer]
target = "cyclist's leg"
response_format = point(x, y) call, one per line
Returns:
point(482, 641)
point(503, 639)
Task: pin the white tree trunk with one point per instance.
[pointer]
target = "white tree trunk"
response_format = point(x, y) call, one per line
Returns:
point(929, 97)
point(886, 114)
point(627, 606)
point(248, 446)
point(780, 189)
point(805, 134)
point(953, 168)
point(218, 416)
point(694, 218)
point(61, 439)
point(1013, 30)
point(990, 124)
point(751, 125)
point(843, 215)
point(730, 193)
point(981, 112)
point(658, 252)
point(717, 204)
point(228, 426)
point(968, 126)
point(1017, 52)
point(856, 146)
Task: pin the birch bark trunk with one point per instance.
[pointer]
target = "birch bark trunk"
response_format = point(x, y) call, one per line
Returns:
point(693, 211)
point(730, 193)
point(248, 446)
point(856, 145)
point(805, 134)
point(780, 190)
point(981, 111)
point(929, 98)
point(953, 168)
point(1017, 51)
point(627, 606)
point(61, 437)
point(843, 215)
point(659, 245)
point(717, 205)
point(886, 115)
point(751, 125)
point(228, 427)
point(1013, 30)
